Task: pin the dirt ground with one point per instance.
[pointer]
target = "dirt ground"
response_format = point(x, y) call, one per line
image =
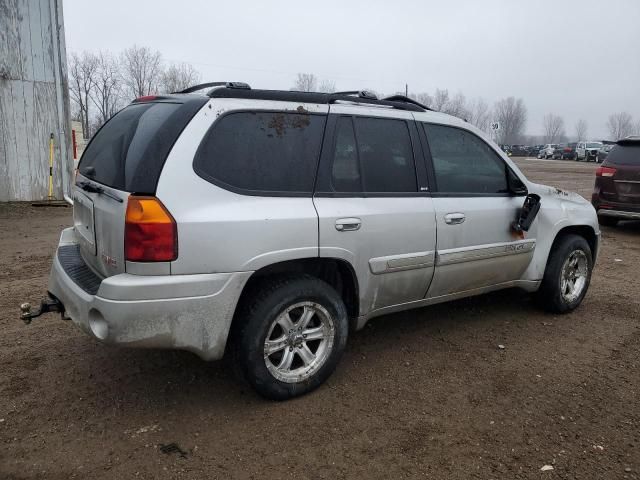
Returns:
point(422, 394)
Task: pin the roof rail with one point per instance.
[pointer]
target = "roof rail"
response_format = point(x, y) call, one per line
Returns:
point(359, 93)
point(402, 98)
point(311, 97)
point(195, 88)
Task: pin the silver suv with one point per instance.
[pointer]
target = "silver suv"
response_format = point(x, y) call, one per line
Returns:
point(271, 225)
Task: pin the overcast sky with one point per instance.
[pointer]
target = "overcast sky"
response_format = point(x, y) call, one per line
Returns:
point(574, 58)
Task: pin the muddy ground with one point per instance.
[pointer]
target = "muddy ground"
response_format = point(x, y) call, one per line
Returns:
point(424, 394)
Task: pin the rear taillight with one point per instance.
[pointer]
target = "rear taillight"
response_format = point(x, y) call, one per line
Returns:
point(150, 232)
point(605, 172)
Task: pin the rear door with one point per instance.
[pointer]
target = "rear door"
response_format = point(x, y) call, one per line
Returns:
point(125, 156)
point(373, 205)
point(476, 246)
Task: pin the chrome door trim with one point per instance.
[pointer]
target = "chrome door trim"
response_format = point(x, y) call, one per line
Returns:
point(483, 252)
point(406, 261)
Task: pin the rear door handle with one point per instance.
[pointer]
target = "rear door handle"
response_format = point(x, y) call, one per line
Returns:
point(348, 224)
point(454, 218)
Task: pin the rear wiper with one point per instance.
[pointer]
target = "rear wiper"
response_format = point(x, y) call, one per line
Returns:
point(90, 187)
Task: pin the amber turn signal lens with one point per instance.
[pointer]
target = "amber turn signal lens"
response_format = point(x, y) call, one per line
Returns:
point(150, 233)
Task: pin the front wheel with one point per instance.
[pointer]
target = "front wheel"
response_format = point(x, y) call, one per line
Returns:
point(567, 276)
point(292, 333)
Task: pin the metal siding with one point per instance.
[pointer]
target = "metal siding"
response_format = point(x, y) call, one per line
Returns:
point(34, 100)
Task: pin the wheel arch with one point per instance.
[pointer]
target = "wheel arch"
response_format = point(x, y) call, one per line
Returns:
point(337, 272)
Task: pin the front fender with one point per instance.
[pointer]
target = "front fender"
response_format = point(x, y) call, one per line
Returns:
point(559, 210)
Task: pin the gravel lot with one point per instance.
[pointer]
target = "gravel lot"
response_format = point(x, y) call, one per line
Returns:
point(425, 393)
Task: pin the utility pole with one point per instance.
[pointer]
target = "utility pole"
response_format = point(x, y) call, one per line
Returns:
point(406, 89)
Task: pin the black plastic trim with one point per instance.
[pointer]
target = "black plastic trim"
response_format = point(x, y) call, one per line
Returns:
point(73, 264)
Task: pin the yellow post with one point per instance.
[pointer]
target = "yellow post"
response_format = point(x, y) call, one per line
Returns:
point(51, 167)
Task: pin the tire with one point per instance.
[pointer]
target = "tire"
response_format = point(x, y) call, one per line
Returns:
point(608, 221)
point(260, 320)
point(551, 295)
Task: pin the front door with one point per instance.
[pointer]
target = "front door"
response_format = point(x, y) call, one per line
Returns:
point(371, 210)
point(475, 207)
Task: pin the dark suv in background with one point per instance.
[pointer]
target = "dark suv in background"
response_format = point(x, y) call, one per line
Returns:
point(616, 195)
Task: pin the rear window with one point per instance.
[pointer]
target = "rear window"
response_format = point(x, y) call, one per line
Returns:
point(262, 152)
point(624, 155)
point(129, 151)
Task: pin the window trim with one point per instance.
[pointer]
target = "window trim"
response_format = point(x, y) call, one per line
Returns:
point(432, 174)
point(260, 193)
point(324, 184)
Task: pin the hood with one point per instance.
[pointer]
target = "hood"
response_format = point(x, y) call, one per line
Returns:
point(557, 193)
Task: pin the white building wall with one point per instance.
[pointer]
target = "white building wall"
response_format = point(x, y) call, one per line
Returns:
point(34, 100)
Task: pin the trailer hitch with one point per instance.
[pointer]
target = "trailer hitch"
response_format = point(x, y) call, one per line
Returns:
point(47, 305)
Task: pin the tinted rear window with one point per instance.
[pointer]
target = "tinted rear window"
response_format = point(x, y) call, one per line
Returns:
point(129, 151)
point(262, 152)
point(624, 155)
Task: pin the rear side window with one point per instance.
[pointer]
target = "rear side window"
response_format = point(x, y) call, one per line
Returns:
point(624, 155)
point(129, 151)
point(463, 163)
point(262, 152)
point(375, 157)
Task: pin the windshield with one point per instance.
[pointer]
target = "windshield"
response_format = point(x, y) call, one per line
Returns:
point(594, 145)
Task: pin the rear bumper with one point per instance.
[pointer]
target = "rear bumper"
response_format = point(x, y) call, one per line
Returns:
point(186, 312)
point(621, 214)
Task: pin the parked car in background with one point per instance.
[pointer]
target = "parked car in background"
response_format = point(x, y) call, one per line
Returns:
point(547, 150)
point(588, 151)
point(557, 152)
point(533, 150)
point(569, 151)
point(519, 150)
point(270, 225)
point(616, 195)
point(506, 149)
point(604, 151)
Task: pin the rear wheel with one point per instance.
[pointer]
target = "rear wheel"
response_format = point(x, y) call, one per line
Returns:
point(567, 276)
point(292, 334)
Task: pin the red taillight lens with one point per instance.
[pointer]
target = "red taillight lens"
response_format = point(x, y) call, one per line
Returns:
point(605, 172)
point(150, 232)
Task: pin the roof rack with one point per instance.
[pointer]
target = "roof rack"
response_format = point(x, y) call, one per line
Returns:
point(359, 93)
point(202, 86)
point(402, 98)
point(314, 97)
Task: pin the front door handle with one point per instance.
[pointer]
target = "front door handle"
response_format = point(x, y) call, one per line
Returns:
point(454, 218)
point(348, 224)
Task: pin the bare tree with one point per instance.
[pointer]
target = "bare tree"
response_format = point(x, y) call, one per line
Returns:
point(440, 99)
point(141, 71)
point(425, 99)
point(106, 93)
point(327, 86)
point(305, 82)
point(178, 77)
point(581, 130)
point(512, 115)
point(82, 77)
point(636, 128)
point(553, 128)
point(457, 106)
point(479, 114)
point(620, 125)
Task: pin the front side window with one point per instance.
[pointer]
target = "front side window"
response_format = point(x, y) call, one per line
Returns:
point(463, 163)
point(374, 157)
point(271, 152)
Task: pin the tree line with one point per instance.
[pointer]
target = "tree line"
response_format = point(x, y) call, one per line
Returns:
point(510, 112)
point(102, 83)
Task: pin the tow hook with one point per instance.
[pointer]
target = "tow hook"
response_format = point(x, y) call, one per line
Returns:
point(47, 305)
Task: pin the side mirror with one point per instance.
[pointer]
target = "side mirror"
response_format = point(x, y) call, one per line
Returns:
point(528, 213)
